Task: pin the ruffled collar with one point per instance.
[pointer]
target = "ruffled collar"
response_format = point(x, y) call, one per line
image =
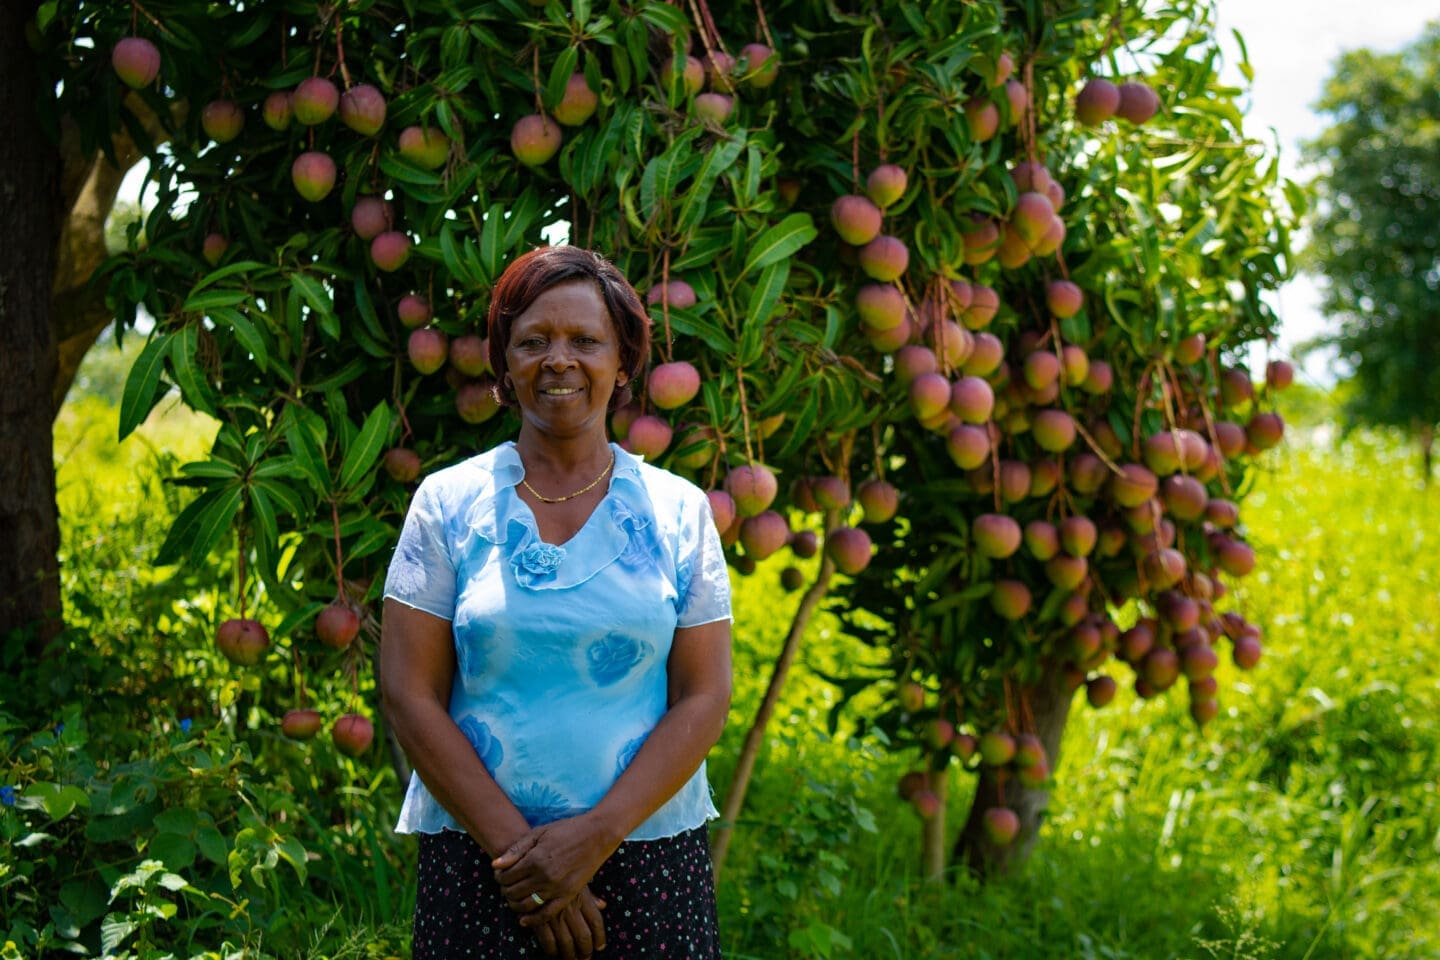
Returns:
point(613, 529)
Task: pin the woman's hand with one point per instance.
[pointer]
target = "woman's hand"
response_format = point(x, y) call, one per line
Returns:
point(578, 932)
point(554, 862)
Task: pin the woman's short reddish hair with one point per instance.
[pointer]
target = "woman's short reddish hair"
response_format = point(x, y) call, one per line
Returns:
point(544, 267)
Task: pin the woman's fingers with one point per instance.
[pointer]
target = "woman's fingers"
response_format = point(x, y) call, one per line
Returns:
point(564, 940)
point(517, 850)
point(590, 908)
point(534, 915)
point(546, 936)
point(580, 932)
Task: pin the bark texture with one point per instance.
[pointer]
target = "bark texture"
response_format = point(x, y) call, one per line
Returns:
point(1048, 703)
point(32, 198)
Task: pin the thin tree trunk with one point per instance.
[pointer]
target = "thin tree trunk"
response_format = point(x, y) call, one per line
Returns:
point(30, 193)
point(1049, 706)
point(745, 766)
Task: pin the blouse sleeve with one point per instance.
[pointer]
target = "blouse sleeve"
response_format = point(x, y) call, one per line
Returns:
point(704, 579)
point(421, 573)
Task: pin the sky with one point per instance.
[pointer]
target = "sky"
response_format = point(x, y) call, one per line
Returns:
point(1292, 46)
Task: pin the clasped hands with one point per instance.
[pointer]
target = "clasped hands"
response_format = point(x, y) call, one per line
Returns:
point(555, 862)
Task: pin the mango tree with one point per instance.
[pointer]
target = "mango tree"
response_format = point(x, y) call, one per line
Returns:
point(898, 262)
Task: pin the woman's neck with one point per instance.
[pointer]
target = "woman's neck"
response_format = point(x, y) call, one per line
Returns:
point(562, 456)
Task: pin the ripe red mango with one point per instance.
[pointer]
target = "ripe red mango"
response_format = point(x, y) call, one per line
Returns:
point(763, 534)
point(849, 548)
point(753, 488)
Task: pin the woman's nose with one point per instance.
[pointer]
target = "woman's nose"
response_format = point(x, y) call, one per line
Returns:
point(559, 357)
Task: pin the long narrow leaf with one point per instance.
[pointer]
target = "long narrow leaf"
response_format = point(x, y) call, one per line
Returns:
point(184, 361)
point(142, 385)
point(780, 241)
point(365, 449)
point(214, 522)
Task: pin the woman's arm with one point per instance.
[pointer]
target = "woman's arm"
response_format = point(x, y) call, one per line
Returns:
point(417, 666)
point(556, 859)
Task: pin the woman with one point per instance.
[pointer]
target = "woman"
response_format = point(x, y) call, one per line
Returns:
point(556, 654)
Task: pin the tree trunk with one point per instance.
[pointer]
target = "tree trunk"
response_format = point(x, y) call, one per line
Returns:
point(745, 766)
point(90, 184)
point(30, 192)
point(1049, 707)
point(932, 830)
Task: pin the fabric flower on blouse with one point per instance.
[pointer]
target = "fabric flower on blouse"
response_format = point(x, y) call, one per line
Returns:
point(540, 803)
point(613, 657)
point(536, 562)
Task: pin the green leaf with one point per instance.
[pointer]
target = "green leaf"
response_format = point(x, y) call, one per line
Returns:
point(210, 470)
point(210, 299)
point(298, 616)
point(175, 851)
point(803, 424)
point(250, 338)
point(142, 386)
point(212, 845)
point(184, 356)
point(292, 851)
point(315, 294)
point(705, 245)
point(669, 19)
point(492, 252)
point(114, 932)
point(57, 800)
point(183, 530)
point(366, 448)
point(780, 241)
point(289, 499)
point(521, 215)
point(377, 536)
point(181, 820)
point(265, 522)
point(393, 165)
point(309, 457)
point(697, 200)
point(450, 253)
point(685, 321)
point(560, 73)
point(214, 521)
point(251, 268)
point(767, 293)
point(86, 899)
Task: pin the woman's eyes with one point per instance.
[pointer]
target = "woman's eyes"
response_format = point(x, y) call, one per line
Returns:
point(540, 341)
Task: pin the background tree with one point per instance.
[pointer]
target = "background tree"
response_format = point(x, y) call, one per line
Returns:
point(60, 182)
point(1375, 233)
point(855, 251)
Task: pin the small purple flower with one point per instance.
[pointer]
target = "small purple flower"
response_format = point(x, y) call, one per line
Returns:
point(7, 796)
point(185, 725)
point(59, 729)
point(536, 561)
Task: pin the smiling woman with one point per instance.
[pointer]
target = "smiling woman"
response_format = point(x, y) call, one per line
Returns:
point(555, 656)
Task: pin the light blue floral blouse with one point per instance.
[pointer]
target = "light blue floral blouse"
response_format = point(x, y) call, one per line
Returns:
point(561, 651)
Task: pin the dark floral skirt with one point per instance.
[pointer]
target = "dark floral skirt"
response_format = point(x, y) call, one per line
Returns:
point(659, 895)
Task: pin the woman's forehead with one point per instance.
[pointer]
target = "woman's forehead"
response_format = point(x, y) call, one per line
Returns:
point(571, 303)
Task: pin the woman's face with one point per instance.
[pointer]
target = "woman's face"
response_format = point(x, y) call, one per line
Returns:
point(564, 360)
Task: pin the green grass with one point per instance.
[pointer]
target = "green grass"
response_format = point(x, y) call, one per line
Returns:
point(1302, 823)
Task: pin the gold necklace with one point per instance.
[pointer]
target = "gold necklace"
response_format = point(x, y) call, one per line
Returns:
point(585, 489)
